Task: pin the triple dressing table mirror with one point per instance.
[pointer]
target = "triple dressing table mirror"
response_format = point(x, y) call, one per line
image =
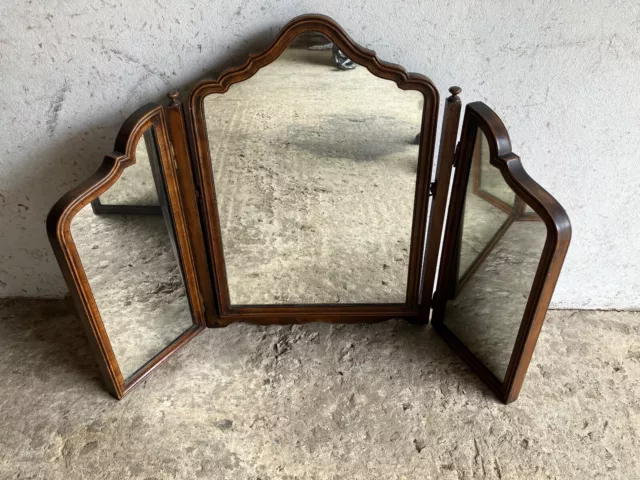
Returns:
point(302, 187)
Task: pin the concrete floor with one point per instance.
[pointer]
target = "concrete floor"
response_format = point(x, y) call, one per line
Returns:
point(358, 402)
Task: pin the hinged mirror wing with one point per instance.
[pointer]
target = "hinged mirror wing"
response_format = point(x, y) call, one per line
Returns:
point(504, 244)
point(314, 160)
point(130, 269)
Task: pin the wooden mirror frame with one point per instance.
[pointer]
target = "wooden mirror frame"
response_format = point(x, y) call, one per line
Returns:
point(184, 158)
point(302, 313)
point(59, 232)
point(479, 116)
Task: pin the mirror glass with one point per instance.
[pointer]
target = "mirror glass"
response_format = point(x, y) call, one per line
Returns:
point(131, 264)
point(487, 309)
point(315, 162)
point(488, 181)
point(135, 186)
point(482, 220)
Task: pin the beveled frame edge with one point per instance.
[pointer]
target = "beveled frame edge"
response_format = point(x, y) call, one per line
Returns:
point(59, 232)
point(302, 313)
point(480, 116)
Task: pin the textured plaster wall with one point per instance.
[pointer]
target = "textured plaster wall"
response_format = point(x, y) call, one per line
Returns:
point(564, 76)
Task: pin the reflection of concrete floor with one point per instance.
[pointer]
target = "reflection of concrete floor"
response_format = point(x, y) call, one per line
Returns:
point(482, 221)
point(136, 281)
point(491, 179)
point(135, 185)
point(315, 177)
point(330, 402)
point(487, 312)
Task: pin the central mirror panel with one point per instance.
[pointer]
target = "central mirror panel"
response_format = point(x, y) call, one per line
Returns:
point(499, 257)
point(314, 161)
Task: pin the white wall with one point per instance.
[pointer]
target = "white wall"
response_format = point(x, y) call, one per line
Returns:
point(564, 77)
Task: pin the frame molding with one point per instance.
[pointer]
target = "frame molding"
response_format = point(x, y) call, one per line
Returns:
point(59, 232)
point(287, 314)
point(480, 116)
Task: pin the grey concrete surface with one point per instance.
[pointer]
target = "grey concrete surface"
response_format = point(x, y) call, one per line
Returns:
point(386, 401)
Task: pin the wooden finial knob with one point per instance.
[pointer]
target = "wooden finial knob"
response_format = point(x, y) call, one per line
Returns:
point(175, 98)
point(454, 98)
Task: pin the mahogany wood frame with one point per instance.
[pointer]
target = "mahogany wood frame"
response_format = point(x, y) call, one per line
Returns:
point(59, 231)
point(478, 116)
point(344, 313)
point(446, 160)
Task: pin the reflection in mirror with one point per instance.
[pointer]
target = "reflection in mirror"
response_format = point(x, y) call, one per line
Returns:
point(483, 222)
point(308, 155)
point(488, 182)
point(489, 305)
point(135, 187)
point(134, 273)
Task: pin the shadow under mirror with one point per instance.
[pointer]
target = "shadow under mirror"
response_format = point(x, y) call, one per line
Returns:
point(501, 253)
point(132, 267)
point(135, 191)
point(315, 162)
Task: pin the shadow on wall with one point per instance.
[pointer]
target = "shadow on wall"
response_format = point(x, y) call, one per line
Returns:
point(27, 264)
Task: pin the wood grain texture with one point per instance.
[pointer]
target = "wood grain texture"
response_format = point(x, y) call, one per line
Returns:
point(178, 135)
point(59, 232)
point(444, 168)
point(204, 177)
point(479, 116)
